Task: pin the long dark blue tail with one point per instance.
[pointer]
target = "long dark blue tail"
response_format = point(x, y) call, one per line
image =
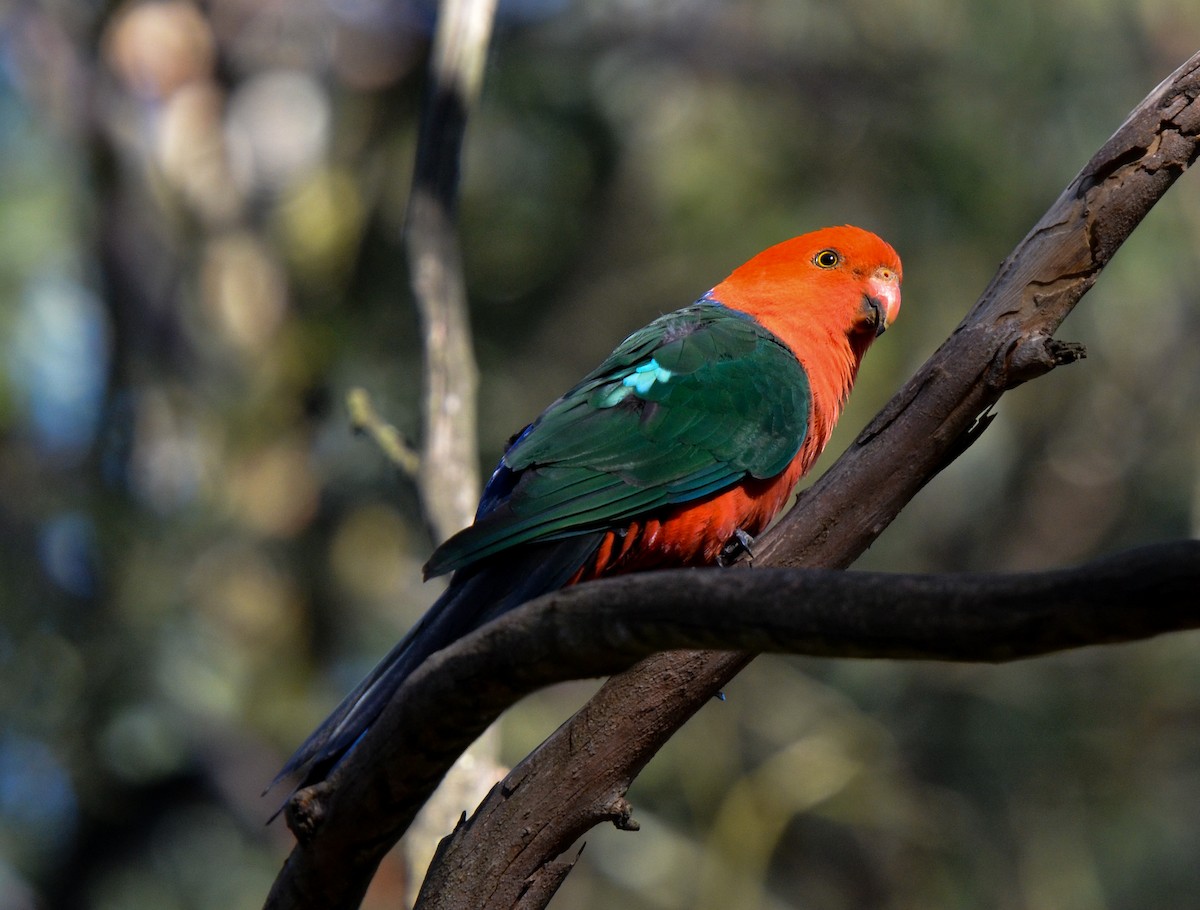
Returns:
point(476, 594)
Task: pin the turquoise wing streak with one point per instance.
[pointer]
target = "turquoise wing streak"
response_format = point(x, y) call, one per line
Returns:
point(686, 407)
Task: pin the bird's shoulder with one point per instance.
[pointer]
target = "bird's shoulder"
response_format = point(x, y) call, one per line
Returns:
point(703, 349)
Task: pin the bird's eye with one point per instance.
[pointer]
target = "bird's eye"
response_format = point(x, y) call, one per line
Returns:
point(827, 259)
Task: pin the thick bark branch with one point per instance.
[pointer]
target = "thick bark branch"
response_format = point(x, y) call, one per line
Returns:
point(348, 822)
point(596, 628)
point(606, 626)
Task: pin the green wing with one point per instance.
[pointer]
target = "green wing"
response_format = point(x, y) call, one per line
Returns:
point(685, 407)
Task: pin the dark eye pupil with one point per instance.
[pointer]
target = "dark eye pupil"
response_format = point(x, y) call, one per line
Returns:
point(827, 258)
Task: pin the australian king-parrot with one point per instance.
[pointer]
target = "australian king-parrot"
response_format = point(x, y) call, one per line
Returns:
point(690, 435)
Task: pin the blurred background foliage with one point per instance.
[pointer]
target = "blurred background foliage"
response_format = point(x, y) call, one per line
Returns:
point(200, 216)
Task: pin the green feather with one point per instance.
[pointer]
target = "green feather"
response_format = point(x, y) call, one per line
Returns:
point(723, 399)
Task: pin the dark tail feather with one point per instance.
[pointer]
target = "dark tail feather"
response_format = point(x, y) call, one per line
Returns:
point(476, 595)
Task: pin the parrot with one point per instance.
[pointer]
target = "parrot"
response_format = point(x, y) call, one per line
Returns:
point(676, 451)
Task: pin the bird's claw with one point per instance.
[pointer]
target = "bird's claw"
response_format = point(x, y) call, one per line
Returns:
point(739, 543)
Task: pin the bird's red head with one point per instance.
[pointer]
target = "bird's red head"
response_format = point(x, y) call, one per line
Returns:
point(841, 280)
point(827, 295)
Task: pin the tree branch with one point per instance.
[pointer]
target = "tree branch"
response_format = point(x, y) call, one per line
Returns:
point(348, 822)
point(596, 629)
point(365, 419)
point(604, 627)
point(448, 471)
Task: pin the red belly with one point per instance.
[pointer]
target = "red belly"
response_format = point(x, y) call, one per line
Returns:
point(693, 534)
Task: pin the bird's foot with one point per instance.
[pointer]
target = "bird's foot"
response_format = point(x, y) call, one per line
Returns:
point(739, 543)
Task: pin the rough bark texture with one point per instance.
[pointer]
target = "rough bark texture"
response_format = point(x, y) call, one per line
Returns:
point(347, 823)
point(819, 612)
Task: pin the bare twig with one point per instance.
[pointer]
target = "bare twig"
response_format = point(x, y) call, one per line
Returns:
point(365, 419)
point(449, 474)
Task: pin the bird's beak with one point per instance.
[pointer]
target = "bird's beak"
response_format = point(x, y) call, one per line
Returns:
point(883, 296)
point(876, 310)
